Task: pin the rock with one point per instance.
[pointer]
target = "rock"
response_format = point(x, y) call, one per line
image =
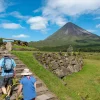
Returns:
point(54, 65)
point(59, 63)
point(73, 62)
point(66, 64)
point(64, 70)
point(76, 68)
point(70, 68)
point(59, 73)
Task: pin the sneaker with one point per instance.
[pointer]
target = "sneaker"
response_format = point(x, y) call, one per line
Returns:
point(7, 98)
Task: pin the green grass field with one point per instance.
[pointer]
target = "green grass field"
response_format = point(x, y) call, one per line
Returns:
point(23, 48)
point(84, 85)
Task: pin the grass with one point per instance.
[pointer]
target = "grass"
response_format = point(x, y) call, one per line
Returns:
point(51, 81)
point(24, 48)
point(84, 85)
point(91, 55)
point(87, 81)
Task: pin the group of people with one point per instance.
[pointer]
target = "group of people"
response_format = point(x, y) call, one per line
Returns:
point(27, 83)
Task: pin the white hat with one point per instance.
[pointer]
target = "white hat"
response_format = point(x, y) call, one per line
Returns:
point(26, 72)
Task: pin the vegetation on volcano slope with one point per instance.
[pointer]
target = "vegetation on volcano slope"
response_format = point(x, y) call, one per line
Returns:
point(77, 47)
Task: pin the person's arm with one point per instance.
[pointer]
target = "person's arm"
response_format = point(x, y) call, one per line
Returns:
point(1, 64)
point(0, 68)
point(19, 90)
point(35, 85)
point(14, 67)
point(14, 72)
point(34, 82)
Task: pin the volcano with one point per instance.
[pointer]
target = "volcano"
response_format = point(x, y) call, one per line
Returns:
point(69, 34)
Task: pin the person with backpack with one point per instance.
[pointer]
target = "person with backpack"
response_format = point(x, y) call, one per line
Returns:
point(27, 85)
point(7, 66)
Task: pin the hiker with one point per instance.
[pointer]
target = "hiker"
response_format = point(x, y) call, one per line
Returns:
point(27, 85)
point(7, 67)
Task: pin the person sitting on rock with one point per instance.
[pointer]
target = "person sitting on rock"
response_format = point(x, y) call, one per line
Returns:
point(27, 85)
point(7, 67)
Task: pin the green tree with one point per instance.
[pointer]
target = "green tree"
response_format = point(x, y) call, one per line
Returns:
point(1, 41)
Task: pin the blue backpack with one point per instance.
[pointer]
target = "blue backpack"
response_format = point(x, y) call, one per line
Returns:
point(8, 66)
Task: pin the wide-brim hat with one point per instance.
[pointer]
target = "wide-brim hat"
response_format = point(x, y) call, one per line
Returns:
point(26, 72)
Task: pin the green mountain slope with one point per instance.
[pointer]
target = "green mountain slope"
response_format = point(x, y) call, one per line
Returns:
point(69, 34)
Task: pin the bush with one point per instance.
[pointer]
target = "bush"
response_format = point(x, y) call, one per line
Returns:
point(1, 41)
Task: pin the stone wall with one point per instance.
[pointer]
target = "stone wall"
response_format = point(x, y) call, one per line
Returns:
point(60, 64)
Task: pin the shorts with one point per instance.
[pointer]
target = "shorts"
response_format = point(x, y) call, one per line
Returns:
point(31, 99)
point(1, 81)
point(5, 81)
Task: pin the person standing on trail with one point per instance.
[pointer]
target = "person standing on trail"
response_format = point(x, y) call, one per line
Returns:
point(7, 67)
point(27, 85)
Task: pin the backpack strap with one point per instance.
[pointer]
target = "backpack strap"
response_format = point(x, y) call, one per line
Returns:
point(3, 63)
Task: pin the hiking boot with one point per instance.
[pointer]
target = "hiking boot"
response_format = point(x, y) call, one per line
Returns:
point(7, 98)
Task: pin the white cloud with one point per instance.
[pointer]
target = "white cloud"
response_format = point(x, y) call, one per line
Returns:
point(91, 30)
point(3, 5)
point(21, 36)
point(3, 15)
point(54, 16)
point(58, 20)
point(10, 26)
point(96, 12)
point(18, 15)
point(98, 26)
point(15, 14)
point(97, 18)
point(37, 23)
point(56, 11)
point(71, 7)
point(37, 10)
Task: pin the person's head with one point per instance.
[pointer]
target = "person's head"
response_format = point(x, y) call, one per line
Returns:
point(26, 72)
point(6, 55)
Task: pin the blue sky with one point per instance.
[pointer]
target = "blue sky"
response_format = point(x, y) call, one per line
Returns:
point(34, 20)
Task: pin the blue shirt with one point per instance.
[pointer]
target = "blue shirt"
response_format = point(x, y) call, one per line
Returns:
point(3, 73)
point(28, 91)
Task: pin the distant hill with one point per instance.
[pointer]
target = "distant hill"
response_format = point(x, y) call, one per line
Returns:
point(69, 34)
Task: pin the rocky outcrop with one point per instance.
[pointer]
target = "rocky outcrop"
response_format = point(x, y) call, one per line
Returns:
point(60, 64)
